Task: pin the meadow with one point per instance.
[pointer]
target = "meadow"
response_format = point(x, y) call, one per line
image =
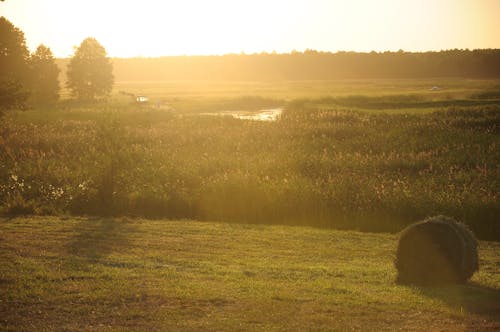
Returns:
point(115, 274)
point(368, 161)
point(157, 216)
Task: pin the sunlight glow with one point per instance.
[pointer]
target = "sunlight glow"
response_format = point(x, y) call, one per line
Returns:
point(176, 27)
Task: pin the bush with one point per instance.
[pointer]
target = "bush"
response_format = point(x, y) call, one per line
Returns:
point(436, 250)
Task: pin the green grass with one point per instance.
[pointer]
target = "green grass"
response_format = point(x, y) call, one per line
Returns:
point(370, 155)
point(133, 274)
point(290, 90)
point(325, 167)
point(203, 96)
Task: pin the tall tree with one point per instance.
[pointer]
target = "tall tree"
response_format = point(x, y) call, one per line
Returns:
point(90, 72)
point(13, 66)
point(44, 77)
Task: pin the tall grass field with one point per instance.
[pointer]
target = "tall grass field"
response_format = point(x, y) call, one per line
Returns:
point(365, 162)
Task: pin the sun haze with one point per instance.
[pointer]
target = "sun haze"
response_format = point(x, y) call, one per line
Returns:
point(178, 27)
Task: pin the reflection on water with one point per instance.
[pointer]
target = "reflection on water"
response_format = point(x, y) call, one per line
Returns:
point(270, 114)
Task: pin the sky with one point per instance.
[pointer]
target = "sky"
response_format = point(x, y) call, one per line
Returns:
point(152, 28)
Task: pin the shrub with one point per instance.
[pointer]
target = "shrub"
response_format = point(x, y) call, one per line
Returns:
point(17, 205)
point(436, 250)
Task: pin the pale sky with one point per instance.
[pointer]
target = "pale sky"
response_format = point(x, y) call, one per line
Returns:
point(199, 27)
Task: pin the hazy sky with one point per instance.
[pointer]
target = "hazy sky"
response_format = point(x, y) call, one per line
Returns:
point(173, 27)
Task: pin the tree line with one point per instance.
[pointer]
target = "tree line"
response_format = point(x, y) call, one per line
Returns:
point(33, 79)
point(313, 65)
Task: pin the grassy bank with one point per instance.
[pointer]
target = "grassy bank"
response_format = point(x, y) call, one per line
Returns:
point(115, 274)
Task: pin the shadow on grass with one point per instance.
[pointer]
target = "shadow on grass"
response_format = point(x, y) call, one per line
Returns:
point(472, 298)
point(97, 238)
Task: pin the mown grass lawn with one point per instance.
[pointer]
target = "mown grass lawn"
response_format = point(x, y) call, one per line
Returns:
point(116, 274)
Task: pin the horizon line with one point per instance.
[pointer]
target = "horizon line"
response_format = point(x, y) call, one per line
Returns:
point(293, 52)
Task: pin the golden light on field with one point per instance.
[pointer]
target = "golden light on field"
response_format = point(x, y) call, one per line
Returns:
point(175, 27)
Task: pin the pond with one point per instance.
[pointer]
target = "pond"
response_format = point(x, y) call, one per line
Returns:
point(269, 114)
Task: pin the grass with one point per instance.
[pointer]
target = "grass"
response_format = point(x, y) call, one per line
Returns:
point(370, 155)
point(333, 167)
point(203, 96)
point(118, 273)
point(290, 90)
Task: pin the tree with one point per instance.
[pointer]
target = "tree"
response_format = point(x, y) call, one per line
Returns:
point(13, 66)
point(44, 77)
point(12, 95)
point(90, 72)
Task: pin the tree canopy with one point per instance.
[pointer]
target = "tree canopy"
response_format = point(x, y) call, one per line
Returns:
point(313, 65)
point(44, 74)
point(13, 66)
point(90, 72)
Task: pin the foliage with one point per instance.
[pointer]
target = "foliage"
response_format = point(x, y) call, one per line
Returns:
point(315, 166)
point(312, 65)
point(13, 66)
point(44, 77)
point(436, 250)
point(13, 95)
point(90, 72)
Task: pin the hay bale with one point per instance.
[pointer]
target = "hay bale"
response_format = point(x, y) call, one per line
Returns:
point(436, 250)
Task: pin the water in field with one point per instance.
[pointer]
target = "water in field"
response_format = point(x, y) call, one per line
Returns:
point(270, 114)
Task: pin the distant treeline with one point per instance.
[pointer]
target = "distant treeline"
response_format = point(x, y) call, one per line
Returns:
point(312, 65)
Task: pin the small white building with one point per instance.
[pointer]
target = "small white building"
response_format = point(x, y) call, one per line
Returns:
point(141, 99)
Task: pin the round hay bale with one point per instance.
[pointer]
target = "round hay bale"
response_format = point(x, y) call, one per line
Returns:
point(436, 250)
